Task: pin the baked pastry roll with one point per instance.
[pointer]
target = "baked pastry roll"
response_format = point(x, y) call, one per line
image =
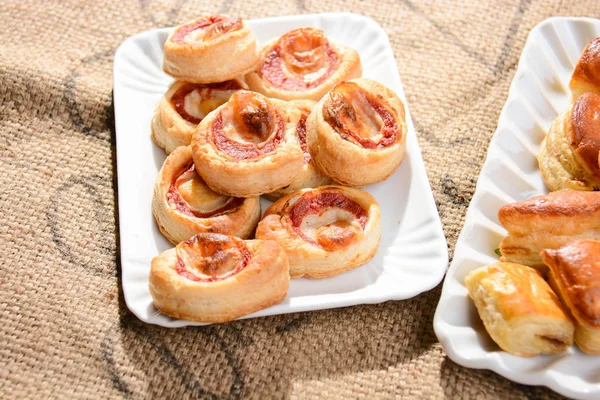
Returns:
point(586, 75)
point(575, 277)
point(548, 222)
point(183, 107)
point(519, 310)
point(324, 231)
point(184, 205)
point(248, 146)
point(303, 64)
point(356, 134)
point(214, 48)
point(217, 278)
point(568, 155)
point(310, 176)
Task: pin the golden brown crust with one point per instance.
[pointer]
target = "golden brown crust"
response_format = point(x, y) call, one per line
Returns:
point(310, 176)
point(586, 75)
point(303, 64)
point(569, 154)
point(357, 133)
point(575, 274)
point(248, 146)
point(218, 278)
point(548, 222)
point(195, 208)
point(519, 310)
point(176, 119)
point(219, 49)
point(324, 231)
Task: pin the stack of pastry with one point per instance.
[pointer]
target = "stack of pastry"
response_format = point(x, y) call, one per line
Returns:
point(294, 122)
point(556, 236)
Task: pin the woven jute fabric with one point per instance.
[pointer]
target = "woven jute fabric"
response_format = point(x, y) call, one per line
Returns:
point(65, 331)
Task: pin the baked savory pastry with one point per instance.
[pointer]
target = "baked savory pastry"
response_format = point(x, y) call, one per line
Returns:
point(248, 146)
point(183, 107)
point(183, 205)
point(217, 278)
point(356, 134)
point(310, 176)
point(586, 75)
point(303, 64)
point(324, 231)
point(214, 48)
point(568, 155)
point(575, 277)
point(548, 222)
point(519, 310)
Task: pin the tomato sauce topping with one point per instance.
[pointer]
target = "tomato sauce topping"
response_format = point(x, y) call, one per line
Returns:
point(214, 24)
point(206, 92)
point(175, 199)
point(212, 256)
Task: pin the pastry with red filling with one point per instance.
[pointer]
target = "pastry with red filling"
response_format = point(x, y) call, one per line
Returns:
point(248, 146)
point(184, 205)
point(310, 176)
point(214, 48)
point(217, 278)
point(183, 107)
point(303, 64)
point(356, 134)
point(324, 231)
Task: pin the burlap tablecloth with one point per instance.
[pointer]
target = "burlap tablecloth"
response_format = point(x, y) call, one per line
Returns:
point(65, 330)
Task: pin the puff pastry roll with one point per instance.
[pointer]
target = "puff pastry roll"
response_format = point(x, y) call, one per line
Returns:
point(303, 64)
point(184, 205)
point(217, 278)
point(519, 310)
point(214, 48)
point(248, 146)
point(356, 134)
point(586, 75)
point(310, 176)
point(575, 276)
point(568, 155)
point(183, 107)
point(548, 222)
point(324, 231)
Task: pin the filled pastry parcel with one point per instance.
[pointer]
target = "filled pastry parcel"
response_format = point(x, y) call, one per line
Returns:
point(303, 64)
point(324, 231)
point(217, 278)
point(586, 75)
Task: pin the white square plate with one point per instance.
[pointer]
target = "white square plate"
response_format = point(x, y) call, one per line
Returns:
point(538, 93)
point(412, 255)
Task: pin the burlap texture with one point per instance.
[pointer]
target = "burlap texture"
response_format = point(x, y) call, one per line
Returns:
point(65, 330)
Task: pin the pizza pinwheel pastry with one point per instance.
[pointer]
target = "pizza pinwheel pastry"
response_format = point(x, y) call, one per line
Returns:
point(217, 278)
point(214, 48)
point(357, 133)
point(248, 146)
point(184, 205)
point(586, 75)
point(183, 107)
point(324, 231)
point(303, 64)
point(310, 176)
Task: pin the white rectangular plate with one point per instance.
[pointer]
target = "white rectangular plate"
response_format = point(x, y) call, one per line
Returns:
point(538, 93)
point(412, 256)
